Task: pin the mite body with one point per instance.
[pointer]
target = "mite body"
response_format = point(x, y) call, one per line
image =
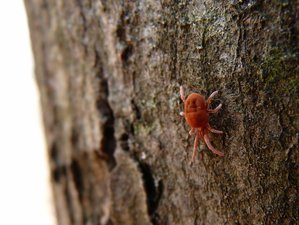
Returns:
point(196, 113)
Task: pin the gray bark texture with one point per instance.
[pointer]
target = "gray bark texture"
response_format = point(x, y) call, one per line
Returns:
point(109, 74)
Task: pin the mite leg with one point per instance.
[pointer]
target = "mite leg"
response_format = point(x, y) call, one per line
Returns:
point(196, 140)
point(182, 94)
point(192, 131)
point(215, 131)
point(215, 151)
point(215, 110)
point(211, 97)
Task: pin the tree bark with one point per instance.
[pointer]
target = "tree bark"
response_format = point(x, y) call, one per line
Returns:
point(109, 74)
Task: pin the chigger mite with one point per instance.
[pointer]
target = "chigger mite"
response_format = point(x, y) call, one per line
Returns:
point(196, 113)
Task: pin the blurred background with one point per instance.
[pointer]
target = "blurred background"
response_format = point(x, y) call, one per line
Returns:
point(25, 196)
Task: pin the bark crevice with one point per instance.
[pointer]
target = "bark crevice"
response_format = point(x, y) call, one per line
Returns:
point(153, 189)
point(108, 141)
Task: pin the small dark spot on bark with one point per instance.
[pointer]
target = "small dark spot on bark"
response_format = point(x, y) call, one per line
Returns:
point(124, 142)
point(54, 152)
point(136, 110)
point(109, 222)
point(120, 32)
point(74, 137)
point(58, 173)
point(109, 143)
point(127, 52)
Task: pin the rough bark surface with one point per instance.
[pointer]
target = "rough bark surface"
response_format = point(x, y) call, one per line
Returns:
point(109, 75)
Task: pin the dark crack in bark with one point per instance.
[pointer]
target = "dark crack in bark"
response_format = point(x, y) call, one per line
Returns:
point(153, 190)
point(108, 142)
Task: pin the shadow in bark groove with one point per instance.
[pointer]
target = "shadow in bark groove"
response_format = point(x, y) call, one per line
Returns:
point(78, 179)
point(153, 190)
point(108, 142)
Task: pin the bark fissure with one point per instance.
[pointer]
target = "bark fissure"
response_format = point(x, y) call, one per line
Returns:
point(153, 191)
point(108, 141)
point(78, 178)
point(69, 201)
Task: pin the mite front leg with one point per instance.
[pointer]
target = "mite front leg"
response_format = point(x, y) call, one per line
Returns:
point(182, 94)
point(192, 131)
point(215, 110)
point(215, 151)
point(195, 148)
point(209, 100)
point(215, 131)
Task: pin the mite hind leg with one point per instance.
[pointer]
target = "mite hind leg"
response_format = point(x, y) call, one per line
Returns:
point(210, 146)
point(195, 147)
point(215, 131)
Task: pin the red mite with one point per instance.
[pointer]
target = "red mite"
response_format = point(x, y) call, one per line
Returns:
point(196, 113)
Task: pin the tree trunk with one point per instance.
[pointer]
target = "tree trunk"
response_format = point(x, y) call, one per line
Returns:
point(109, 74)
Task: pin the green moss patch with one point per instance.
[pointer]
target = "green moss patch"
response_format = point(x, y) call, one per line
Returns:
point(280, 72)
